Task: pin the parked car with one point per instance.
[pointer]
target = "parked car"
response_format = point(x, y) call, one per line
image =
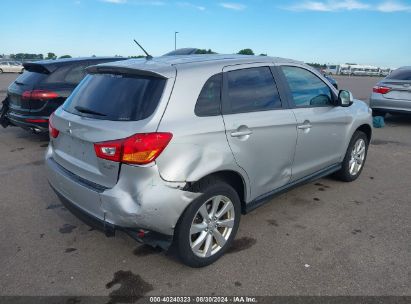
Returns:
point(11, 67)
point(331, 80)
point(42, 88)
point(393, 93)
point(176, 149)
point(183, 51)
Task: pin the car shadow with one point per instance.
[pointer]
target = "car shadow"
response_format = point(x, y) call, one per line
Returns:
point(398, 119)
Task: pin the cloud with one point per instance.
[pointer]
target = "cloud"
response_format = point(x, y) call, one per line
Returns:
point(115, 1)
point(233, 6)
point(191, 5)
point(329, 6)
point(391, 7)
point(349, 5)
point(138, 2)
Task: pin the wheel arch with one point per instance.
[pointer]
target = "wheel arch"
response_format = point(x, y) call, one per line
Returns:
point(367, 130)
point(233, 178)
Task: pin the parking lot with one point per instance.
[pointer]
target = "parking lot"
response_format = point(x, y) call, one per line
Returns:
point(324, 238)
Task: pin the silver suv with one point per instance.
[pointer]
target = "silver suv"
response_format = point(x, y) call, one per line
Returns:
point(174, 149)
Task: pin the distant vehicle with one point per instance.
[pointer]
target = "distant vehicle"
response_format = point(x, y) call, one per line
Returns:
point(175, 149)
point(384, 72)
point(181, 52)
point(331, 80)
point(332, 70)
point(11, 67)
point(393, 93)
point(42, 88)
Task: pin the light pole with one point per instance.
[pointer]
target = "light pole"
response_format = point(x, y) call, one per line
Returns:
point(175, 40)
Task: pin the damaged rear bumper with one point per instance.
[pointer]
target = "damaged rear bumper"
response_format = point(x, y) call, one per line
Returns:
point(140, 201)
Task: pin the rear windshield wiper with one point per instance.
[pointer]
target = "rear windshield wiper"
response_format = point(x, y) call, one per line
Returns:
point(88, 111)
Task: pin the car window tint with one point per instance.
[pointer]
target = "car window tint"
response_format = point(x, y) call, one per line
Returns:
point(307, 89)
point(116, 97)
point(76, 74)
point(400, 74)
point(250, 90)
point(59, 74)
point(208, 103)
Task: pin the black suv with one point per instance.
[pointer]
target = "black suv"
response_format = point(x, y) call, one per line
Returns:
point(42, 88)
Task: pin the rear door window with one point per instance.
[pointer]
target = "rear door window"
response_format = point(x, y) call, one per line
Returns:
point(251, 90)
point(116, 97)
point(209, 101)
point(307, 89)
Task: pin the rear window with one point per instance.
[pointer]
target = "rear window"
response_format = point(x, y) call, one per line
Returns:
point(31, 77)
point(116, 97)
point(400, 74)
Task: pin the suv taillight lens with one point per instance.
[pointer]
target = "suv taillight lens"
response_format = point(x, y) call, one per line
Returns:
point(381, 90)
point(41, 95)
point(138, 149)
point(52, 130)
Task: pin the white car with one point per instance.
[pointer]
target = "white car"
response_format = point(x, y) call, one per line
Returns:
point(11, 67)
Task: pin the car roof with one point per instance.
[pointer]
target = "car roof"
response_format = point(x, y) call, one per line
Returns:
point(165, 66)
point(50, 66)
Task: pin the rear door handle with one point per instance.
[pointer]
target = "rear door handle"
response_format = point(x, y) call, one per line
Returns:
point(306, 125)
point(241, 133)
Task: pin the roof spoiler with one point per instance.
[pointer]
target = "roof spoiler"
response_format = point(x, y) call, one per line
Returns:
point(37, 68)
point(98, 69)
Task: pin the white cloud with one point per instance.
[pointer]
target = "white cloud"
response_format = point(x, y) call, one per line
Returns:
point(349, 5)
point(329, 6)
point(138, 2)
point(115, 1)
point(390, 7)
point(233, 6)
point(191, 5)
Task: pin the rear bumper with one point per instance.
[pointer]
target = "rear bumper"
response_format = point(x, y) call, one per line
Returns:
point(150, 237)
point(379, 102)
point(139, 200)
point(28, 122)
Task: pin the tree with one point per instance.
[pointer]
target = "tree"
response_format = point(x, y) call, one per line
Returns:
point(263, 54)
point(51, 56)
point(65, 56)
point(204, 51)
point(246, 52)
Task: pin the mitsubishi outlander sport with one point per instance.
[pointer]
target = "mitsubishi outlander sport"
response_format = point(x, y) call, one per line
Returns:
point(173, 150)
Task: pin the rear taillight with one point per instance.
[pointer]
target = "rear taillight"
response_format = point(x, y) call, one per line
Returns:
point(52, 130)
point(138, 149)
point(381, 90)
point(39, 95)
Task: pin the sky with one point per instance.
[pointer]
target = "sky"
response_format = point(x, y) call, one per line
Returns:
point(325, 31)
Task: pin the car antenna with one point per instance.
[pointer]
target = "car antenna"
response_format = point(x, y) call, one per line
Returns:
point(148, 57)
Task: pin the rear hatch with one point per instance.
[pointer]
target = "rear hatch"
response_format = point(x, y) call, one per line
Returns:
point(400, 89)
point(400, 83)
point(105, 107)
point(24, 83)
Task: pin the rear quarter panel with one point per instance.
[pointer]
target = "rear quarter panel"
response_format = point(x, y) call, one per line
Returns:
point(199, 146)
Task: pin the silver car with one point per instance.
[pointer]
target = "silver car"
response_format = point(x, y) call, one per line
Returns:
point(11, 67)
point(176, 148)
point(393, 93)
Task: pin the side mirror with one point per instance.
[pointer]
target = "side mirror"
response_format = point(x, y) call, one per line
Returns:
point(345, 98)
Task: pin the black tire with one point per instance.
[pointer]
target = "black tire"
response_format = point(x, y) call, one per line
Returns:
point(378, 113)
point(344, 173)
point(1, 71)
point(209, 187)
